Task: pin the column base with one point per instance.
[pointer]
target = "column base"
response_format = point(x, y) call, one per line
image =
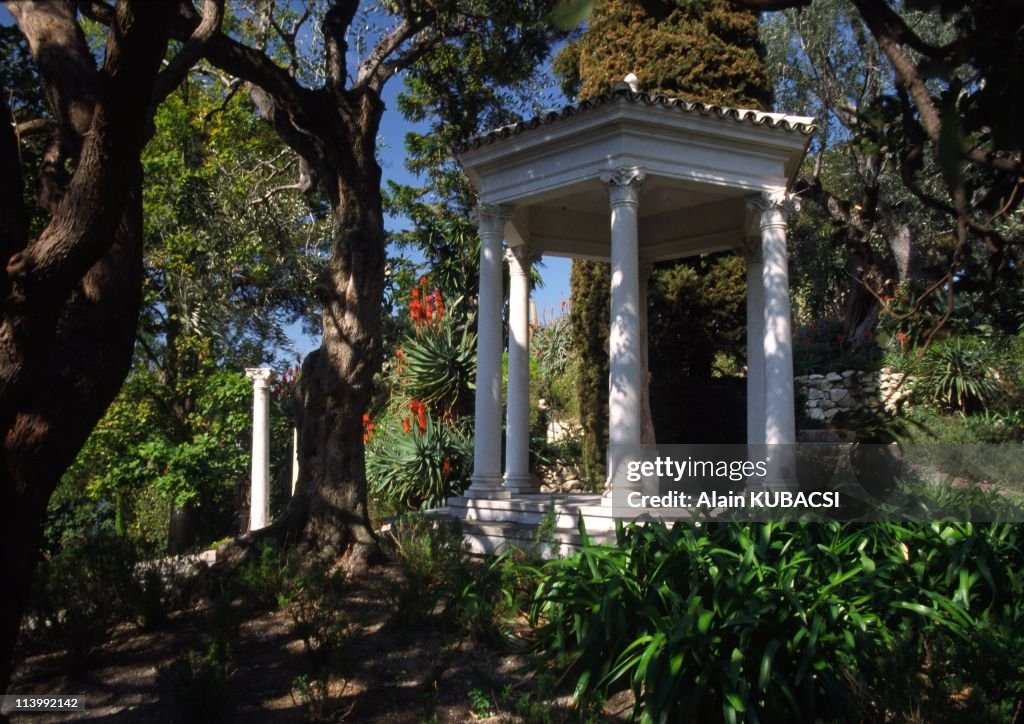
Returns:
point(521, 485)
point(486, 487)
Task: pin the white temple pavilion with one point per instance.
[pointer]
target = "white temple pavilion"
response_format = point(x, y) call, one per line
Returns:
point(632, 179)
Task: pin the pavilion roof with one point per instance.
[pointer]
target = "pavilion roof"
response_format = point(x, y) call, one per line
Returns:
point(623, 94)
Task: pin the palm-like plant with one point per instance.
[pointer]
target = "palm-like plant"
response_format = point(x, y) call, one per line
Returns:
point(437, 364)
point(421, 465)
point(958, 374)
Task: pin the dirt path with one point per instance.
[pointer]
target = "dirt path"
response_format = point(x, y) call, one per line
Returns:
point(392, 673)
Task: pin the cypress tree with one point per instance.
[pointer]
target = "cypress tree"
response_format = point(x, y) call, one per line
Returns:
point(704, 50)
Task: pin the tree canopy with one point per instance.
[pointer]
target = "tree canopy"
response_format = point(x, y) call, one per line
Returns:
point(73, 282)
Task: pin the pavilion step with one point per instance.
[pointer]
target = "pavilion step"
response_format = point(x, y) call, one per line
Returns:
point(498, 537)
point(534, 510)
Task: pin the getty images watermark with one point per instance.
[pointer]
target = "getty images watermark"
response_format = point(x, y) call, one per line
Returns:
point(819, 482)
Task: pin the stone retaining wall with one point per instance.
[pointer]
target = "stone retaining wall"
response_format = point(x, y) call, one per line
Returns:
point(824, 397)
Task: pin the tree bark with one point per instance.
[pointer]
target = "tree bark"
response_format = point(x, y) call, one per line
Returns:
point(83, 373)
point(337, 379)
point(70, 302)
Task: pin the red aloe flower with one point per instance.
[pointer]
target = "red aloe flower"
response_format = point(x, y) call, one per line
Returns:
point(420, 410)
point(438, 304)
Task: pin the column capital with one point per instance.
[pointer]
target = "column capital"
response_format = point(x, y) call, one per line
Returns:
point(774, 206)
point(260, 376)
point(491, 217)
point(624, 184)
point(521, 256)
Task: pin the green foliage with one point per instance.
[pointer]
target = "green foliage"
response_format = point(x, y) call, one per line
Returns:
point(707, 50)
point(409, 467)
point(149, 461)
point(591, 301)
point(438, 362)
point(442, 584)
point(81, 592)
point(479, 703)
point(697, 335)
point(731, 622)
point(697, 310)
point(879, 186)
point(427, 552)
point(419, 451)
point(820, 347)
point(197, 684)
point(996, 428)
point(314, 601)
point(266, 579)
point(959, 373)
point(229, 256)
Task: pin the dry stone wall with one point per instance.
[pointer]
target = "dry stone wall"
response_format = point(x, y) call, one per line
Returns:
point(826, 397)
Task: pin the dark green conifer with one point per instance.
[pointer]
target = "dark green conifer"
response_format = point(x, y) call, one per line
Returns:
point(704, 50)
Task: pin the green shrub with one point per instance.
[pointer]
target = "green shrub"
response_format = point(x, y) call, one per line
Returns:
point(996, 427)
point(264, 578)
point(820, 347)
point(730, 622)
point(438, 363)
point(197, 684)
point(80, 593)
point(418, 467)
point(959, 373)
point(314, 601)
point(442, 583)
point(429, 554)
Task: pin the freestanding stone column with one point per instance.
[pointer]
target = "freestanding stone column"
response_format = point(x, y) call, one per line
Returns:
point(295, 458)
point(755, 344)
point(517, 431)
point(779, 412)
point(259, 496)
point(487, 479)
point(624, 342)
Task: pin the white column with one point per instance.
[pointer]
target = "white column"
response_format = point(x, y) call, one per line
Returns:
point(259, 497)
point(647, 433)
point(755, 344)
point(487, 440)
point(779, 412)
point(624, 343)
point(517, 430)
point(295, 458)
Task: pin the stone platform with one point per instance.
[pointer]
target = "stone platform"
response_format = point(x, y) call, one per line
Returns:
point(544, 524)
